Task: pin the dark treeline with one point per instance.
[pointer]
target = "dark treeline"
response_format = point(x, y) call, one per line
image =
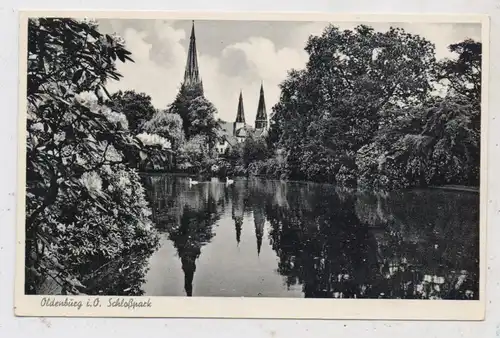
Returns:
point(370, 109)
point(365, 112)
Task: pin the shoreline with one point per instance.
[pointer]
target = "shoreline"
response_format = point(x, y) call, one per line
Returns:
point(463, 188)
point(456, 188)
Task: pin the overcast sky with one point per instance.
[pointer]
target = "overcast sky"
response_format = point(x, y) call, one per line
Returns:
point(236, 55)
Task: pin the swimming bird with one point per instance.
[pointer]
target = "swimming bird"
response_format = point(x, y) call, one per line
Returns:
point(228, 181)
point(191, 182)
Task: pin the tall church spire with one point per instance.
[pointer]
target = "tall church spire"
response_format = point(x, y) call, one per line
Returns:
point(240, 115)
point(192, 73)
point(261, 117)
point(239, 123)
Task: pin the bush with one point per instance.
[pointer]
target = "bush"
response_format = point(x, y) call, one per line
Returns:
point(84, 204)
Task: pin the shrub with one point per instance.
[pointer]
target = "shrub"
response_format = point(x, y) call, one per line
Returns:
point(84, 204)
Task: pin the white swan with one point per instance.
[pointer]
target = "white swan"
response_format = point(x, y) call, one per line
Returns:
point(191, 182)
point(228, 181)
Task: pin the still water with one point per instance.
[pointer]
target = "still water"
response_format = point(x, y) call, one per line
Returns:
point(262, 238)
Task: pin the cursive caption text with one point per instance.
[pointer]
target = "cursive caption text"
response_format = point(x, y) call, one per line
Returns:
point(78, 303)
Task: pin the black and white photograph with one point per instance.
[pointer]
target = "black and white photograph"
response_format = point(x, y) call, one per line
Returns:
point(253, 158)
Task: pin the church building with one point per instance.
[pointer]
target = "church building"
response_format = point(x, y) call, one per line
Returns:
point(237, 131)
point(240, 129)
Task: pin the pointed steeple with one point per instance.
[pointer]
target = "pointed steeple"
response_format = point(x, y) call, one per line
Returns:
point(239, 123)
point(240, 115)
point(261, 117)
point(192, 73)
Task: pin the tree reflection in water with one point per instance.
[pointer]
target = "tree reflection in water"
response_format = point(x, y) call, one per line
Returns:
point(188, 215)
point(403, 245)
point(333, 243)
point(237, 210)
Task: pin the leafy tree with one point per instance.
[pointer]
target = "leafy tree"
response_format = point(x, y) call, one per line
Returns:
point(254, 149)
point(196, 112)
point(291, 120)
point(202, 119)
point(84, 204)
point(332, 108)
point(235, 153)
point(180, 106)
point(195, 154)
point(463, 74)
point(136, 106)
point(167, 125)
point(357, 73)
point(435, 142)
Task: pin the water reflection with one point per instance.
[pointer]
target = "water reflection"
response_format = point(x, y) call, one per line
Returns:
point(188, 216)
point(312, 240)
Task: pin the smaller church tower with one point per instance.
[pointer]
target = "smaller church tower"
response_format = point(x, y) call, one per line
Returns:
point(261, 117)
point(239, 123)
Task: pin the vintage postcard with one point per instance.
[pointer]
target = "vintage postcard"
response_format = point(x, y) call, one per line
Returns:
point(242, 165)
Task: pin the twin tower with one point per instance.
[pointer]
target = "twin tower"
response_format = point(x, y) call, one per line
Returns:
point(260, 118)
point(240, 129)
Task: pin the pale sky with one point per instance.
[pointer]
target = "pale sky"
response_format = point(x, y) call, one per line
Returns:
point(236, 55)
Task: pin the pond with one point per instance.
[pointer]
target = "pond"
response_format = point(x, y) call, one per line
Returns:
point(262, 238)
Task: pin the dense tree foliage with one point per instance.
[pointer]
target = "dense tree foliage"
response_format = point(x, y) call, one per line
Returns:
point(363, 111)
point(332, 108)
point(202, 119)
point(84, 203)
point(166, 125)
point(197, 113)
point(254, 149)
point(195, 155)
point(463, 74)
point(137, 107)
point(434, 143)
